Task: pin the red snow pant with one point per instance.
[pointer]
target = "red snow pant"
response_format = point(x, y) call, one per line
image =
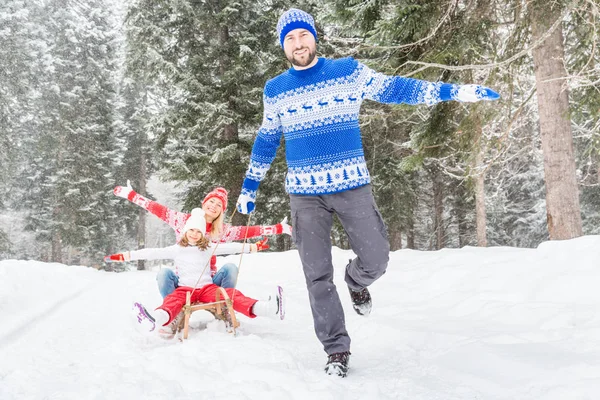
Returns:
point(175, 301)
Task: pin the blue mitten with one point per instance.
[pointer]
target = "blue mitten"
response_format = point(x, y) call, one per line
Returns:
point(245, 203)
point(473, 93)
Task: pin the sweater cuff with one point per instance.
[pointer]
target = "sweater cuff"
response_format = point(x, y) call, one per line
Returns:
point(447, 91)
point(250, 185)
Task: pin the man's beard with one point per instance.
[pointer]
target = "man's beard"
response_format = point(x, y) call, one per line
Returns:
point(298, 63)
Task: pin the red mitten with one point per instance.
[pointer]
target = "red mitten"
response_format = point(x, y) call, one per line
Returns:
point(262, 245)
point(114, 258)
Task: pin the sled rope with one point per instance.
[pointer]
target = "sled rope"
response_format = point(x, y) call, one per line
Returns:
point(215, 249)
point(242, 253)
point(206, 266)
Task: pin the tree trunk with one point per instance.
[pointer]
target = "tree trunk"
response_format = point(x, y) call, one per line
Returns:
point(597, 162)
point(562, 191)
point(395, 240)
point(141, 232)
point(410, 235)
point(230, 131)
point(283, 242)
point(56, 247)
point(460, 214)
point(480, 213)
point(232, 179)
point(479, 181)
point(438, 208)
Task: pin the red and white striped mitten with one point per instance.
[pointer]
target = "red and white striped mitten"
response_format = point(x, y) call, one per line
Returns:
point(283, 227)
point(125, 192)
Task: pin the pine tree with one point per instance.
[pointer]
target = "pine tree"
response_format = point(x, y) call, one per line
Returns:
point(432, 139)
point(582, 36)
point(135, 126)
point(18, 81)
point(211, 60)
point(562, 192)
point(71, 164)
point(472, 141)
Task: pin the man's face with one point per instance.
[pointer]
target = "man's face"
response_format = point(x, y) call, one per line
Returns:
point(300, 47)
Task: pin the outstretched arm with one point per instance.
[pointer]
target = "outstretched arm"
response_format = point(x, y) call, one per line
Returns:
point(234, 248)
point(175, 219)
point(397, 89)
point(232, 233)
point(164, 253)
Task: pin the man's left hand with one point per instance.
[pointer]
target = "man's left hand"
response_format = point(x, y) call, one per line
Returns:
point(473, 93)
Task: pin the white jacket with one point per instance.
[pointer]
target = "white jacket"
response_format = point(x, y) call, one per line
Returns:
point(190, 261)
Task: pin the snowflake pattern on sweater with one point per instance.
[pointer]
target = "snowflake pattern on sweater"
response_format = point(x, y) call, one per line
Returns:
point(317, 110)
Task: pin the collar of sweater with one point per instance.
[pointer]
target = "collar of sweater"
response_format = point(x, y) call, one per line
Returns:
point(309, 71)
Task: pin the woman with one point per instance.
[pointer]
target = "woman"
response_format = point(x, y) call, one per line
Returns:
point(214, 206)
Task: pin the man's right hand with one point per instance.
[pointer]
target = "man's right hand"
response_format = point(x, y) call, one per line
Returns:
point(245, 203)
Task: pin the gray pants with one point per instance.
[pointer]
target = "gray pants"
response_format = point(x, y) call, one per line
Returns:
point(312, 218)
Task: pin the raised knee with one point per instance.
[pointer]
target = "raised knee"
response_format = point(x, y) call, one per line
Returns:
point(163, 274)
point(231, 268)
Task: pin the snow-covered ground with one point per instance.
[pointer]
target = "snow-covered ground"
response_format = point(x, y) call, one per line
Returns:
point(494, 323)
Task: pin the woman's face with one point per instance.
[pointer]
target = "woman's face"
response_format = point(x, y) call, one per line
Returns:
point(212, 207)
point(193, 235)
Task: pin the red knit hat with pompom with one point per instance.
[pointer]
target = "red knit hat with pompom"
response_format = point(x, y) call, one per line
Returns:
point(220, 193)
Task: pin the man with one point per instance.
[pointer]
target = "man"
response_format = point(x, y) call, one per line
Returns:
point(315, 105)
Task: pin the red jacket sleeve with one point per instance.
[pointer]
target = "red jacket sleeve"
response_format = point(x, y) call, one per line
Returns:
point(232, 233)
point(175, 219)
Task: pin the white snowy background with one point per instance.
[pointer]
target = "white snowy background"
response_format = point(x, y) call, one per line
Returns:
point(471, 323)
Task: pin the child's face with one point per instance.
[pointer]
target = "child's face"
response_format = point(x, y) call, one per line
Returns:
point(193, 235)
point(212, 207)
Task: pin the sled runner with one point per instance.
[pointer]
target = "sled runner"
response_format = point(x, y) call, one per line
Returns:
point(221, 308)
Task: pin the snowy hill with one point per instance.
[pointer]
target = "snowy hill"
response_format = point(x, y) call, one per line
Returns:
point(494, 323)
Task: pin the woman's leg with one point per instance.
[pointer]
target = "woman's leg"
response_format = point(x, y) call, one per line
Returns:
point(226, 276)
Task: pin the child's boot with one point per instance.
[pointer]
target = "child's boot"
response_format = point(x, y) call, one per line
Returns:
point(272, 308)
point(144, 321)
point(169, 331)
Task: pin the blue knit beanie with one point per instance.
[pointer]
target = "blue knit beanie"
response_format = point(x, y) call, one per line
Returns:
point(295, 19)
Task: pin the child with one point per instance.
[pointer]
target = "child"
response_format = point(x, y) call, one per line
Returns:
point(192, 255)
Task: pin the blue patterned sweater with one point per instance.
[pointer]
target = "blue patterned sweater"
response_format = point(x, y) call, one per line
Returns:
point(317, 110)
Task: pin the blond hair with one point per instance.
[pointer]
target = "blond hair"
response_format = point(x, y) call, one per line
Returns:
point(216, 229)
